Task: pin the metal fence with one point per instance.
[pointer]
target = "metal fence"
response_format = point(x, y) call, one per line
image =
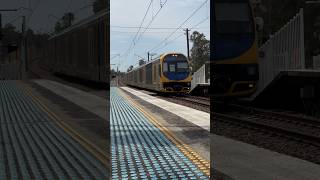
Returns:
point(283, 51)
point(316, 62)
point(201, 76)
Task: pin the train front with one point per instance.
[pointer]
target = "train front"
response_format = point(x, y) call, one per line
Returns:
point(235, 67)
point(175, 73)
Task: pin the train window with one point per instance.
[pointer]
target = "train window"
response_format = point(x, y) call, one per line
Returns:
point(172, 68)
point(159, 69)
point(165, 67)
point(233, 23)
point(182, 66)
point(154, 68)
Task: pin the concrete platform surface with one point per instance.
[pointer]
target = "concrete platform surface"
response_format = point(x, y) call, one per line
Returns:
point(90, 102)
point(247, 162)
point(36, 143)
point(143, 149)
point(199, 118)
point(194, 136)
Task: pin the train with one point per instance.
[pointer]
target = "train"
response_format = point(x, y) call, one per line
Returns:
point(169, 73)
point(235, 50)
point(82, 50)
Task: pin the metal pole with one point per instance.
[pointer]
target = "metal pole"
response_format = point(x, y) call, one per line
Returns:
point(117, 76)
point(23, 48)
point(0, 27)
point(187, 34)
point(1, 51)
point(302, 50)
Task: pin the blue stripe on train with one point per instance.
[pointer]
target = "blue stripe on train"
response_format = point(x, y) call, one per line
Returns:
point(230, 47)
point(176, 75)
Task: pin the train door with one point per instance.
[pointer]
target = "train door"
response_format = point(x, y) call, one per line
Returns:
point(148, 75)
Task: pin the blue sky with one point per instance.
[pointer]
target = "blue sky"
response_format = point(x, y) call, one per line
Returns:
point(126, 16)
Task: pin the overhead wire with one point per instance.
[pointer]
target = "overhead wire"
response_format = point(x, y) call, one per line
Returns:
point(144, 17)
point(32, 12)
point(13, 20)
point(153, 18)
point(139, 37)
point(193, 27)
point(155, 32)
point(133, 43)
point(131, 47)
point(135, 27)
point(192, 14)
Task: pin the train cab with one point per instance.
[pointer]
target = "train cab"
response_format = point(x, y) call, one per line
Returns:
point(175, 74)
point(235, 50)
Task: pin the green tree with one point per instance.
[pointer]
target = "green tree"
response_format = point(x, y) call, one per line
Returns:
point(277, 13)
point(58, 27)
point(100, 5)
point(66, 21)
point(130, 68)
point(200, 50)
point(10, 35)
point(141, 62)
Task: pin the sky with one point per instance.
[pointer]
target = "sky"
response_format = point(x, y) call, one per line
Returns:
point(45, 12)
point(126, 16)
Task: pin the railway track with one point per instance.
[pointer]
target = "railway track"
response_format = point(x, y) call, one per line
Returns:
point(198, 100)
point(278, 131)
point(272, 125)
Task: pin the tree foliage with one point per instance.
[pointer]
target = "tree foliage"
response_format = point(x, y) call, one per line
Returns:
point(100, 5)
point(10, 35)
point(277, 13)
point(200, 50)
point(141, 62)
point(66, 21)
point(130, 68)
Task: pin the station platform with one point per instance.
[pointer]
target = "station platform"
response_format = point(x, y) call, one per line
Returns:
point(145, 147)
point(241, 161)
point(37, 142)
point(196, 117)
point(285, 90)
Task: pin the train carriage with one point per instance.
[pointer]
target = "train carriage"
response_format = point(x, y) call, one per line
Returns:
point(82, 50)
point(235, 59)
point(168, 73)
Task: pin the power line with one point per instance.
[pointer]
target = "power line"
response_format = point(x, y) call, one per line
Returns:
point(177, 37)
point(133, 43)
point(193, 27)
point(153, 18)
point(32, 12)
point(192, 14)
point(13, 20)
point(155, 32)
point(135, 27)
point(144, 17)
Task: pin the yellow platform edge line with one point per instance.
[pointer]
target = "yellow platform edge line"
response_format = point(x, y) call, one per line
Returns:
point(93, 149)
point(202, 164)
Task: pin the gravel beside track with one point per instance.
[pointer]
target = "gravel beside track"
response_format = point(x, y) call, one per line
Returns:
point(288, 134)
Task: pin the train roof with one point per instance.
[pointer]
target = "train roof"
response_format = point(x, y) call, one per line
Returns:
point(155, 59)
point(81, 23)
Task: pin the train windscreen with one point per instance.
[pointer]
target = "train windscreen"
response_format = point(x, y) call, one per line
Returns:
point(175, 63)
point(233, 18)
